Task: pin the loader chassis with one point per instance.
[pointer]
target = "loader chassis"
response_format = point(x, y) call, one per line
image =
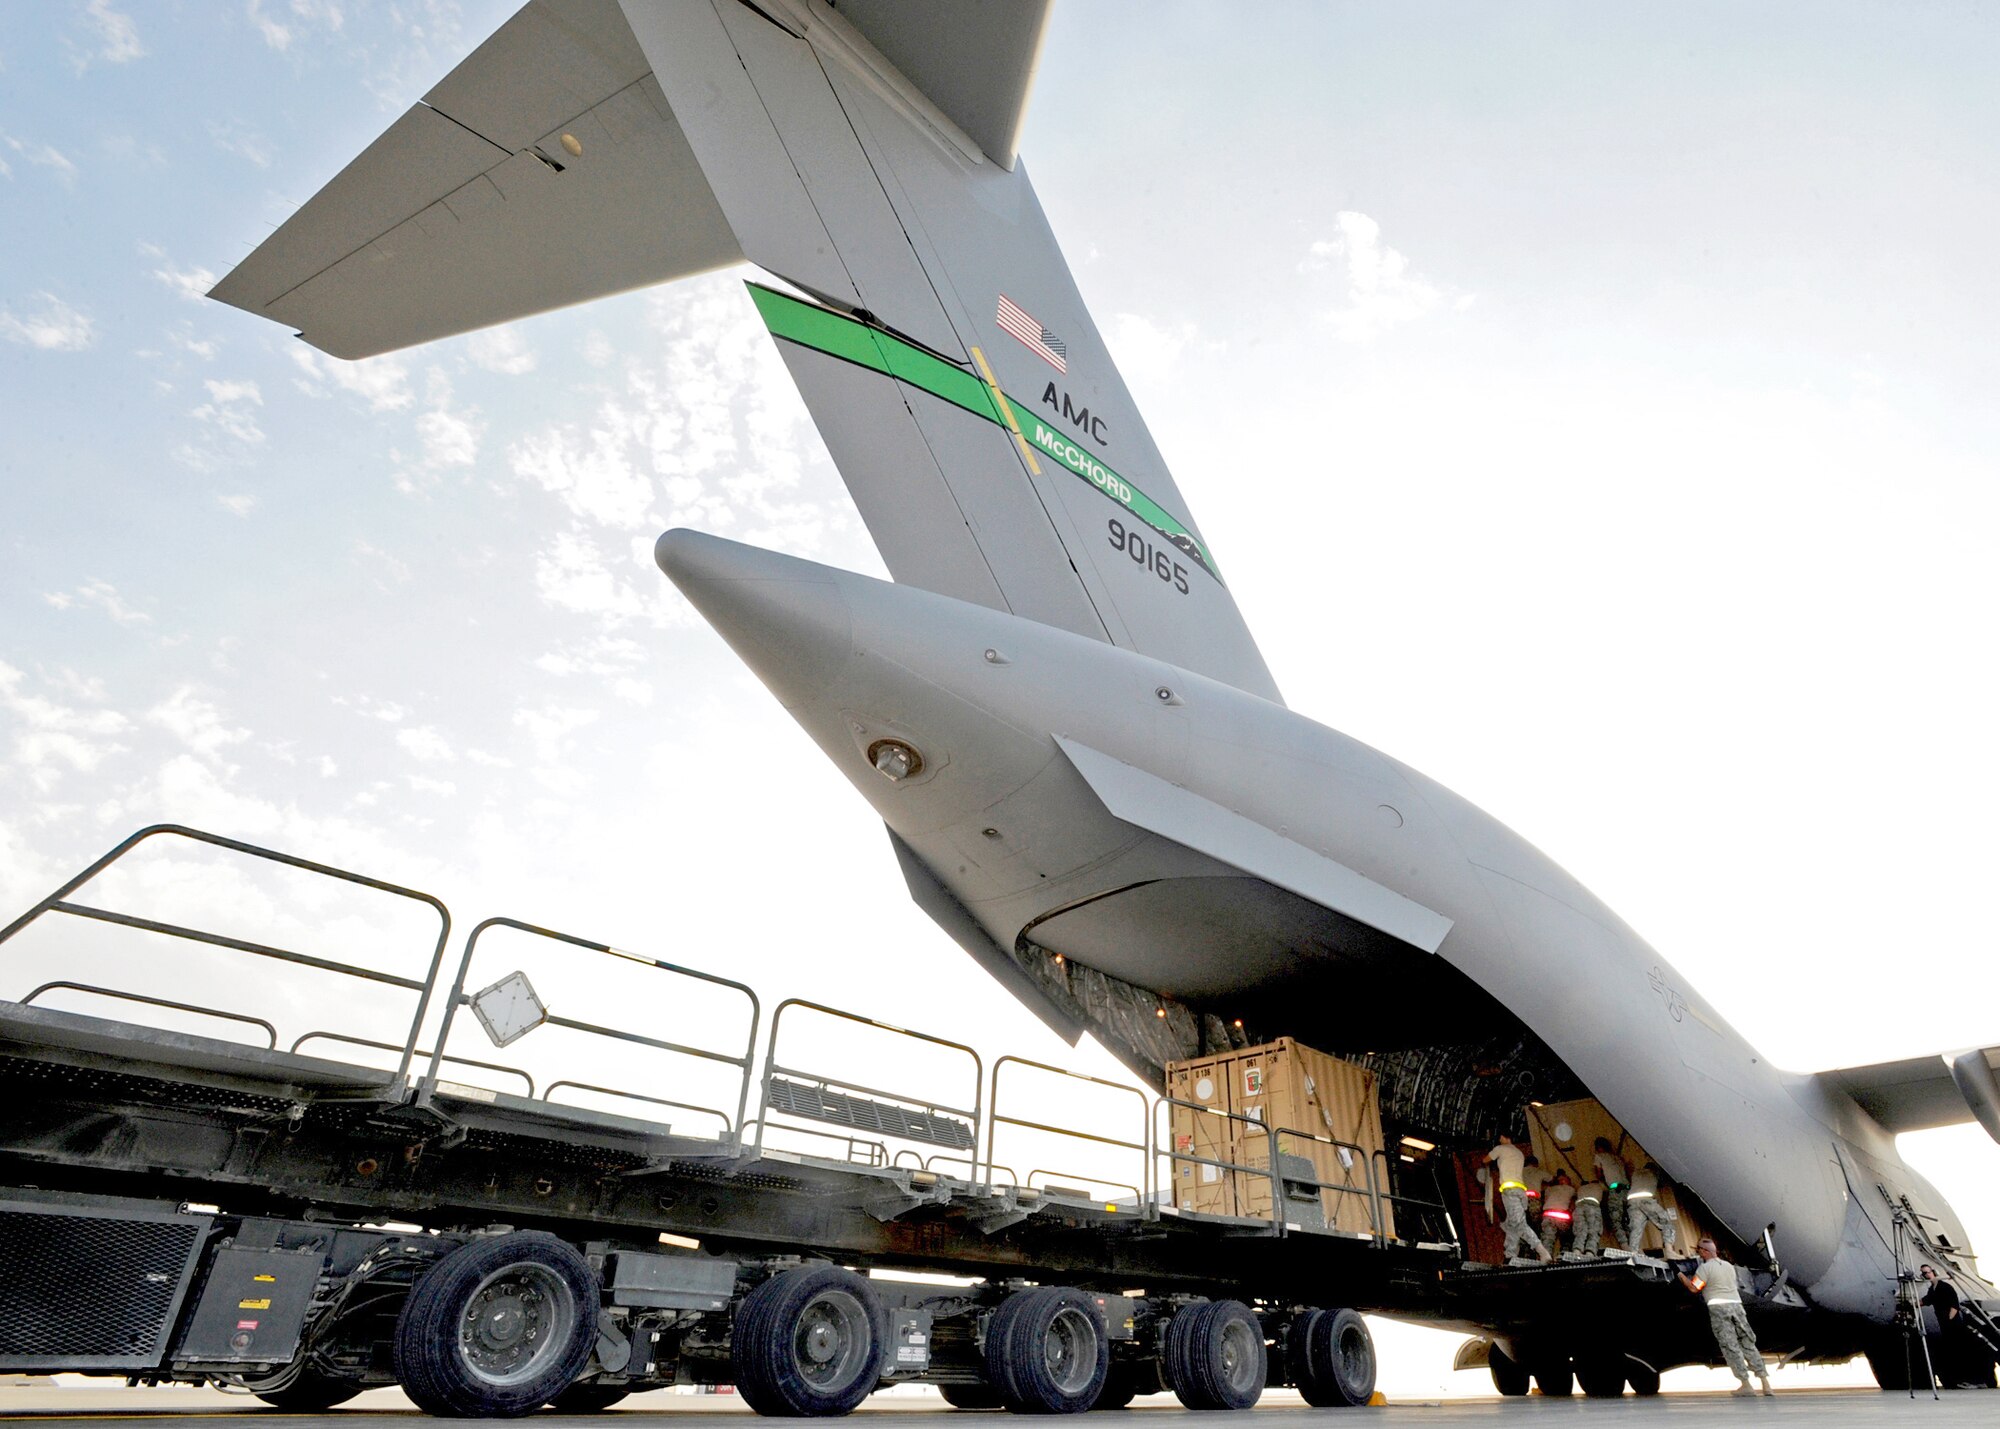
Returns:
point(176, 1206)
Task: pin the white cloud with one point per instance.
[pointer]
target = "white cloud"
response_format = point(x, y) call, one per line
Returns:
point(424, 784)
point(41, 155)
point(101, 595)
point(276, 35)
point(195, 722)
point(592, 473)
point(572, 574)
point(117, 37)
point(368, 707)
point(1380, 291)
point(326, 767)
point(244, 143)
point(236, 503)
point(229, 410)
point(450, 438)
point(204, 348)
point(502, 350)
point(388, 569)
point(53, 738)
point(425, 743)
point(552, 728)
point(382, 382)
point(54, 327)
point(1146, 350)
point(191, 283)
point(600, 655)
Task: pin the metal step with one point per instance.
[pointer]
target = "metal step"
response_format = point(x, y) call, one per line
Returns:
point(861, 1114)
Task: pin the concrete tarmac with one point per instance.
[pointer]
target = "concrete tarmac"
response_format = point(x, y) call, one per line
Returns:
point(380, 1409)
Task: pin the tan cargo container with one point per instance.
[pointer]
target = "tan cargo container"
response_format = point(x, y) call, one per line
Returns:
point(1315, 1101)
point(1564, 1137)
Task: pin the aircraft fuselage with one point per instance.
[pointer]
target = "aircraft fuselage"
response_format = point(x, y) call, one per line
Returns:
point(1233, 811)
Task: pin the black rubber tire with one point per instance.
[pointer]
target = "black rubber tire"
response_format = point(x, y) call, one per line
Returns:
point(1601, 1376)
point(1215, 1356)
point(1555, 1378)
point(1510, 1376)
point(1121, 1387)
point(798, 1343)
point(1047, 1351)
point(1887, 1363)
point(970, 1396)
point(1644, 1379)
point(589, 1397)
point(309, 1393)
point(431, 1348)
point(1332, 1358)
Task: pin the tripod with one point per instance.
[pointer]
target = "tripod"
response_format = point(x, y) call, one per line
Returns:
point(1909, 1307)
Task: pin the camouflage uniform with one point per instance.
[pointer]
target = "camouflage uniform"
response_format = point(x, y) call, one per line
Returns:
point(1731, 1326)
point(1557, 1202)
point(1533, 1177)
point(1589, 1225)
point(1643, 1207)
point(1514, 1225)
point(1508, 1161)
point(1616, 1176)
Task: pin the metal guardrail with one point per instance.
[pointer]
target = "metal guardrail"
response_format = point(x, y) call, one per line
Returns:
point(728, 1127)
point(1176, 1157)
point(920, 1116)
point(123, 996)
point(1371, 1192)
point(427, 1087)
point(1421, 1205)
point(777, 1072)
point(391, 1047)
point(59, 902)
point(994, 1121)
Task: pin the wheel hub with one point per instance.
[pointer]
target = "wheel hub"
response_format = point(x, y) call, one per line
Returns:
point(509, 1321)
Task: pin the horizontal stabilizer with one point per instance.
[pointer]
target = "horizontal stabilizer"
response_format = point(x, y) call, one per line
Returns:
point(546, 169)
point(1919, 1093)
point(1151, 803)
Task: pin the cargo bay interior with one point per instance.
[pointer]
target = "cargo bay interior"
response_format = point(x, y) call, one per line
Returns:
point(1413, 1067)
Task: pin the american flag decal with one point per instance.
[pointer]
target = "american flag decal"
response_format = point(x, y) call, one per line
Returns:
point(1043, 343)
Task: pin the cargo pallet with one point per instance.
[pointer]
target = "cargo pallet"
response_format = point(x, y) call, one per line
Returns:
point(304, 1225)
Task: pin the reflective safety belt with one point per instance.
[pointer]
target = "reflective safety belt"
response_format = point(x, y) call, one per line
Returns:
point(1512, 1186)
point(1555, 1213)
point(1587, 1201)
point(1638, 1195)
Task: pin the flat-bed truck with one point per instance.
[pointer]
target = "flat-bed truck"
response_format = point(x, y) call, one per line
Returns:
point(305, 1224)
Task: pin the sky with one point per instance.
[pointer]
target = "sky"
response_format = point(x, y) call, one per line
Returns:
point(1592, 406)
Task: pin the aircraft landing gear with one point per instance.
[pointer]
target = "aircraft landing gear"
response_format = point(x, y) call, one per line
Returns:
point(1554, 1376)
point(1601, 1375)
point(1510, 1376)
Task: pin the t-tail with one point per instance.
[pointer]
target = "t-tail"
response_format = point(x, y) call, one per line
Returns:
point(865, 157)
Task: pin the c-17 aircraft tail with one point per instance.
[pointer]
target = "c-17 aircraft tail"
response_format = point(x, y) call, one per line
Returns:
point(865, 156)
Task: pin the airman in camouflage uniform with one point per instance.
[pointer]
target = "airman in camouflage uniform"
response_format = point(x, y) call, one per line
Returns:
point(1715, 1282)
point(1509, 1164)
point(1558, 1196)
point(1643, 1206)
point(1589, 1222)
point(1616, 1176)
